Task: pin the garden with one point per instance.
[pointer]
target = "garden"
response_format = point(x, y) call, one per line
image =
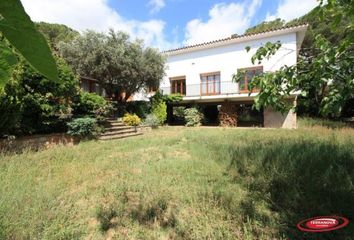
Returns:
point(181, 183)
point(175, 182)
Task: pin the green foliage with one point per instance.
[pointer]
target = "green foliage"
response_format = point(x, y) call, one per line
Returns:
point(325, 78)
point(56, 33)
point(171, 98)
point(121, 66)
point(159, 109)
point(91, 104)
point(8, 60)
point(44, 105)
point(140, 108)
point(152, 121)
point(82, 127)
point(193, 117)
point(10, 113)
point(20, 31)
point(266, 26)
point(131, 119)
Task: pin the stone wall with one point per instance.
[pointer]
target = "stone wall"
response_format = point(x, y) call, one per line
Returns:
point(228, 115)
point(37, 142)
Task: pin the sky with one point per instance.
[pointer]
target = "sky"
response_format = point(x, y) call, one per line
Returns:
point(166, 24)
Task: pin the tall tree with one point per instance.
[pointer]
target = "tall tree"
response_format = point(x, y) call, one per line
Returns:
point(56, 33)
point(120, 65)
point(266, 26)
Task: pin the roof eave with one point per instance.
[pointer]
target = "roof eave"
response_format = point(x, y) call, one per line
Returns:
point(240, 39)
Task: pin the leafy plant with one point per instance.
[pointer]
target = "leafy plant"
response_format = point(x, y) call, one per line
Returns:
point(82, 127)
point(17, 27)
point(91, 104)
point(44, 105)
point(152, 121)
point(193, 117)
point(131, 119)
point(10, 113)
point(159, 109)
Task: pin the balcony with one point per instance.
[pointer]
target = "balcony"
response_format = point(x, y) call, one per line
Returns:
point(205, 89)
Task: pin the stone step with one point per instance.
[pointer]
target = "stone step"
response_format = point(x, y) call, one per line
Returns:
point(117, 132)
point(119, 136)
point(114, 124)
point(116, 128)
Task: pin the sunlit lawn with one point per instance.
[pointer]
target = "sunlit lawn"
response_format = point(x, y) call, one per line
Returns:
point(171, 183)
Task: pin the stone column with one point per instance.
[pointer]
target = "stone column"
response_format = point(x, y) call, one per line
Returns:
point(228, 115)
point(273, 119)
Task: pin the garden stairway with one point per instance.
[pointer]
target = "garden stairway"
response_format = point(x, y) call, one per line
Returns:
point(115, 129)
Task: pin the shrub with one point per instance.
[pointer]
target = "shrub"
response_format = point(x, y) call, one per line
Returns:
point(91, 104)
point(10, 113)
point(152, 121)
point(83, 127)
point(131, 119)
point(44, 105)
point(140, 108)
point(193, 117)
point(159, 109)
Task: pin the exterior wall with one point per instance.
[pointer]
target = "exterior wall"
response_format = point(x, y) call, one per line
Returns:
point(226, 60)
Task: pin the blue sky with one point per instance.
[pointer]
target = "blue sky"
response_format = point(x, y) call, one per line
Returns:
point(166, 24)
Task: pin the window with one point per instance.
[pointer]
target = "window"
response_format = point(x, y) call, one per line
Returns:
point(152, 89)
point(210, 83)
point(249, 74)
point(178, 86)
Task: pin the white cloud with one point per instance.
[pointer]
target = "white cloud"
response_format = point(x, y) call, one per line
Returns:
point(224, 20)
point(97, 15)
point(156, 5)
point(290, 9)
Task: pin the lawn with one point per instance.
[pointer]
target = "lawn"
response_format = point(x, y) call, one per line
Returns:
point(181, 183)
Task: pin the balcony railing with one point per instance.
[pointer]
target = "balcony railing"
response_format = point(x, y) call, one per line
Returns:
point(210, 89)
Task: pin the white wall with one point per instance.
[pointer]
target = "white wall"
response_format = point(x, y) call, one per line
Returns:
point(227, 59)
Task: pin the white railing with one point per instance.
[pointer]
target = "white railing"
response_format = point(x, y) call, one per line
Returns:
point(193, 90)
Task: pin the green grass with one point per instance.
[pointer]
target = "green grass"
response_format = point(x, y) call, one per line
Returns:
point(181, 183)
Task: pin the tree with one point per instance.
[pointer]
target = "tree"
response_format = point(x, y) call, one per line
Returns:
point(56, 33)
point(266, 26)
point(328, 74)
point(122, 67)
point(21, 34)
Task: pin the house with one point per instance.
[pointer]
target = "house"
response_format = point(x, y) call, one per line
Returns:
point(202, 73)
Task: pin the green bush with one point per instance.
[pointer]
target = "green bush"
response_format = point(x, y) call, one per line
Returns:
point(152, 121)
point(44, 105)
point(91, 104)
point(131, 119)
point(140, 108)
point(159, 109)
point(193, 117)
point(83, 127)
point(10, 113)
